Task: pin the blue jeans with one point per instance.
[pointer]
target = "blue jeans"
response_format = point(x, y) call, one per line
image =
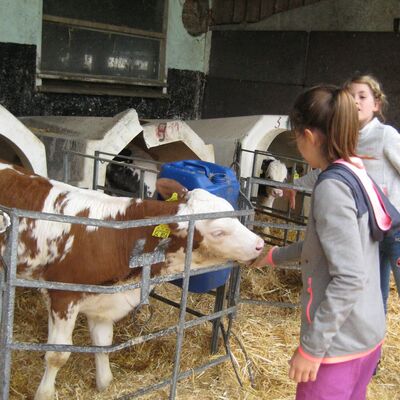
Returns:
point(389, 252)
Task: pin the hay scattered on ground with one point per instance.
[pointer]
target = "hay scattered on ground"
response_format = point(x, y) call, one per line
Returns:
point(268, 334)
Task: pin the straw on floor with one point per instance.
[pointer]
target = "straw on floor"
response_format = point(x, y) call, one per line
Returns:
point(268, 334)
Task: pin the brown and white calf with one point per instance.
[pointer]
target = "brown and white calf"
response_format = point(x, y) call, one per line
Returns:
point(79, 254)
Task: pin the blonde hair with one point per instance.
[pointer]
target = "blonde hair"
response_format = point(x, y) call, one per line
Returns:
point(333, 111)
point(376, 90)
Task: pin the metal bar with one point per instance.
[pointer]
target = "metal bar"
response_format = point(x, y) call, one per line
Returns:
point(218, 305)
point(120, 346)
point(279, 226)
point(284, 185)
point(66, 173)
point(141, 187)
point(124, 224)
point(95, 170)
point(115, 288)
point(182, 313)
point(269, 303)
point(182, 375)
point(8, 309)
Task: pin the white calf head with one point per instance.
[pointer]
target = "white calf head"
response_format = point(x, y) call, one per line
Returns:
point(276, 171)
point(226, 238)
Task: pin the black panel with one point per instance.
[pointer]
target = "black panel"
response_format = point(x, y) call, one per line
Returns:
point(228, 98)
point(334, 56)
point(18, 95)
point(276, 57)
point(262, 72)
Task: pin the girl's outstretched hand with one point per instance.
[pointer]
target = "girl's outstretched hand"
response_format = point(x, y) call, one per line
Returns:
point(265, 258)
point(302, 369)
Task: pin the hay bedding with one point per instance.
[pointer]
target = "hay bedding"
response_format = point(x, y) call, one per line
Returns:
point(268, 334)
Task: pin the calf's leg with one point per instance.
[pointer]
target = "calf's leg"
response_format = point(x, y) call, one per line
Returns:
point(101, 332)
point(60, 332)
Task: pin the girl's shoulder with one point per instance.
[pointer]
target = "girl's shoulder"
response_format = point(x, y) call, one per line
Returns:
point(391, 130)
point(390, 136)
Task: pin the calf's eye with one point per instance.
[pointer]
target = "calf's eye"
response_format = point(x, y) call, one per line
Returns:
point(218, 233)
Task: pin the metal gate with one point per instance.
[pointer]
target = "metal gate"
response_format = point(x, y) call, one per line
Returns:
point(227, 297)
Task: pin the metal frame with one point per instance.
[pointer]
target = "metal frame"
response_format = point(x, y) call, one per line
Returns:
point(11, 281)
point(290, 223)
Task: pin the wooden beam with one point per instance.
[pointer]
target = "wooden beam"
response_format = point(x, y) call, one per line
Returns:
point(281, 5)
point(253, 10)
point(223, 12)
point(239, 11)
point(295, 3)
point(267, 8)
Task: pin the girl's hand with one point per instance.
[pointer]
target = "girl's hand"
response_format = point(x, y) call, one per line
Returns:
point(302, 369)
point(265, 258)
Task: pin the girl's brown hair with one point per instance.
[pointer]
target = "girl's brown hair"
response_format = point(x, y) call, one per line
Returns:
point(376, 89)
point(333, 112)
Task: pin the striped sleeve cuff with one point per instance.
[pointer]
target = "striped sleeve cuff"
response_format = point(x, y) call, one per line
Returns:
point(270, 260)
point(309, 356)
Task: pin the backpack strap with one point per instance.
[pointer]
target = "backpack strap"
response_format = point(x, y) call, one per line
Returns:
point(379, 229)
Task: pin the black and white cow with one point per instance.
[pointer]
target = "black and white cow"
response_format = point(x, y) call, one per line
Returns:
point(274, 170)
point(126, 178)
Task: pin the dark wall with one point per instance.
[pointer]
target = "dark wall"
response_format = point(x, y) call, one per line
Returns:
point(258, 72)
point(18, 94)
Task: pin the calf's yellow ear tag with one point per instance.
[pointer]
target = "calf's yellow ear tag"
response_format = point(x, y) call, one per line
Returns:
point(161, 231)
point(174, 197)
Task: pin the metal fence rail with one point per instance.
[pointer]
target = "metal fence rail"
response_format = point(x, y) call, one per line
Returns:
point(291, 224)
point(9, 282)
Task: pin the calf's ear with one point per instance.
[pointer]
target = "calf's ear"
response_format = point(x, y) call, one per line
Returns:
point(167, 188)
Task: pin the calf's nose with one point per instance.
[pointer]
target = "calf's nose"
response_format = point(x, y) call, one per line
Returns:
point(259, 244)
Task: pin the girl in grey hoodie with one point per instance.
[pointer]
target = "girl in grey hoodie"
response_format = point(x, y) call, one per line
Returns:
point(380, 144)
point(342, 320)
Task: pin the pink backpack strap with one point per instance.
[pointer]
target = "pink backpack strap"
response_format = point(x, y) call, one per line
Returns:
point(382, 217)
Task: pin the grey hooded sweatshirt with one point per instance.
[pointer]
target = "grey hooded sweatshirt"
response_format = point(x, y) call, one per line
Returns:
point(342, 310)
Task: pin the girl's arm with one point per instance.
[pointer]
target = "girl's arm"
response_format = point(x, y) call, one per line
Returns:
point(308, 181)
point(336, 223)
point(290, 253)
point(391, 146)
point(279, 255)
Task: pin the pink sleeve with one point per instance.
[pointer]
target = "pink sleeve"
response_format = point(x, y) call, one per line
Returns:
point(270, 260)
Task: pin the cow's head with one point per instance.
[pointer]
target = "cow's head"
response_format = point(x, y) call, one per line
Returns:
point(274, 170)
point(224, 238)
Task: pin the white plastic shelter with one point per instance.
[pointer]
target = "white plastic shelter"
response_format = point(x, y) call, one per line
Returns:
point(19, 144)
point(255, 132)
point(165, 141)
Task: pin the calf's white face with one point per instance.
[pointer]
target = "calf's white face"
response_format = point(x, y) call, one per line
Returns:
point(277, 171)
point(226, 238)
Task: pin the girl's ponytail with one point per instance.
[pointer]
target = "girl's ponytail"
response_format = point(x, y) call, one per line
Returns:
point(333, 112)
point(343, 127)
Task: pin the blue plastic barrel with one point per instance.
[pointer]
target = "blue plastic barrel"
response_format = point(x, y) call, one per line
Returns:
point(216, 179)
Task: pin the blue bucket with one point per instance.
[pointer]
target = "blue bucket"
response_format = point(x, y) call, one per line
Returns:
point(216, 179)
